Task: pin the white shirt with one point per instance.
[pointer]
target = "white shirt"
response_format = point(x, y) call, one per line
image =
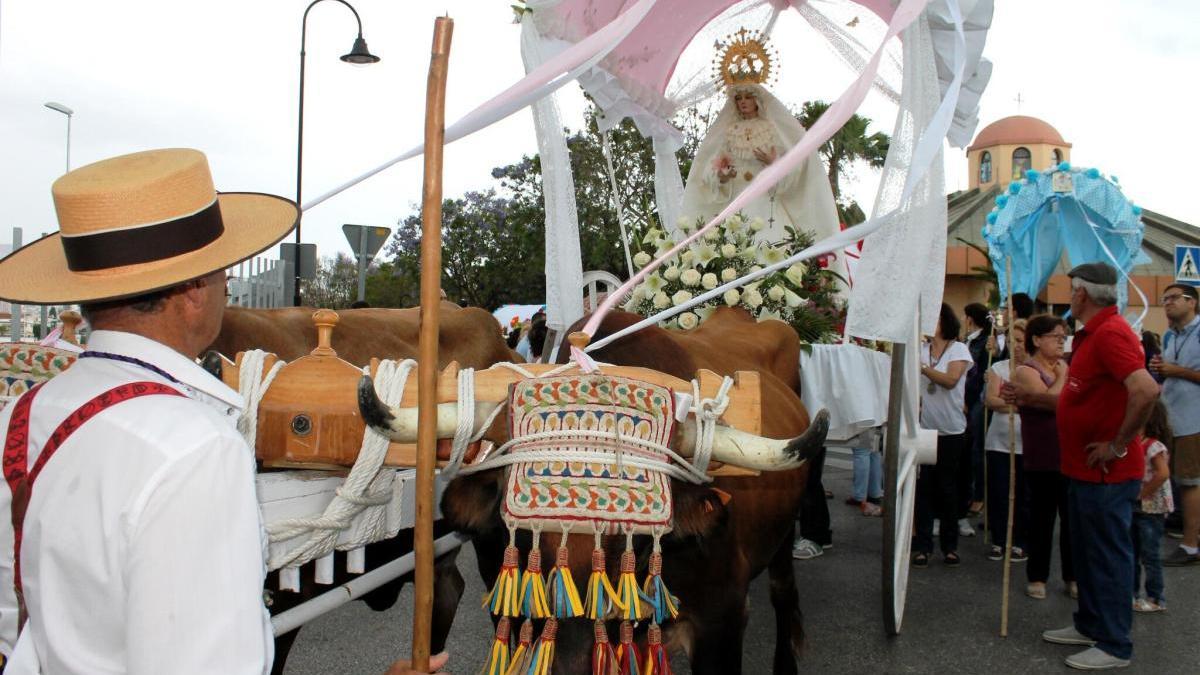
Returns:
point(143, 549)
point(943, 408)
point(997, 432)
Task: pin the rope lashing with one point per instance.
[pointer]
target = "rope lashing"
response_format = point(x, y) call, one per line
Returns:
point(252, 385)
point(707, 412)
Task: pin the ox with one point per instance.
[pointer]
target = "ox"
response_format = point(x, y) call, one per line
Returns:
point(724, 535)
point(469, 336)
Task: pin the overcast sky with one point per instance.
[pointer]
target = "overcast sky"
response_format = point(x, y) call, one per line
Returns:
point(1115, 78)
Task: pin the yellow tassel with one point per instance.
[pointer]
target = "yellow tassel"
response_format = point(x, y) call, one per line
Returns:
point(543, 657)
point(563, 596)
point(504, 599)
point(523, 656)
point(627, 588)
point(533, 587)
point(660, 604)
point(498, 660)
point(601, 596)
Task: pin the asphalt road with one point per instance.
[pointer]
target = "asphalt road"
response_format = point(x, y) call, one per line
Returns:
point(951, 624)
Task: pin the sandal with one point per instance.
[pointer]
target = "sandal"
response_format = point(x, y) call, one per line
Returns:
point(1036, 590)
point(920, 560)
point(871, 510)
point(952, 559)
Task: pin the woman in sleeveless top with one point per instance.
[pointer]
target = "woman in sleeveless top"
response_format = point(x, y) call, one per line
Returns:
point(996, 446)
point(1044, 372)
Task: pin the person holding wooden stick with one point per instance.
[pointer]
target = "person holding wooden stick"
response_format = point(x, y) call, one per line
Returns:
point(996, 446)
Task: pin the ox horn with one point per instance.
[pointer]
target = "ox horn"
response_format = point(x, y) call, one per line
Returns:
point(212, 362)
point(400, 424)
point(748, 451)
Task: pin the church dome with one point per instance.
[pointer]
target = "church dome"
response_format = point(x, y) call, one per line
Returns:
point(1017, 130)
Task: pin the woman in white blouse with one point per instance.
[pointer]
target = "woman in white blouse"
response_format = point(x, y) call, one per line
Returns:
point(995, 443)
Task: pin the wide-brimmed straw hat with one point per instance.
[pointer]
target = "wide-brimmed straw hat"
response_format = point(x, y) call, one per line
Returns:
point(139, 223)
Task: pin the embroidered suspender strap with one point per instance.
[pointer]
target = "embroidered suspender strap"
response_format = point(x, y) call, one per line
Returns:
point(20, 477)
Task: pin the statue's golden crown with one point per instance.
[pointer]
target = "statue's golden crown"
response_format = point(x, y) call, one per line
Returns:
point(744, 58)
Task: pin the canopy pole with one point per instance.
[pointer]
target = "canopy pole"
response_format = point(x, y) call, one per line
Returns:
point(427, 347)
point(612, 180)
point(1012, 467)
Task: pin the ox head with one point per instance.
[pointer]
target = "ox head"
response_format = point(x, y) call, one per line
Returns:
point(730, 446)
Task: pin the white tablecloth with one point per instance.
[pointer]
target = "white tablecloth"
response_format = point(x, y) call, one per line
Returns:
point(849, 381)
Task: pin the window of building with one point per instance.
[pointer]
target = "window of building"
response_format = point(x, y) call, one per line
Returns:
point(1022, 161)
point(1058, 156)
point(985, 167)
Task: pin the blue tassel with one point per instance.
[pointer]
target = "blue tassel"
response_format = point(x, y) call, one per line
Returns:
point(1092, 173)
point(1014, 187)
point(1002, 201)
point(1064, 166)
point(1137, 211)
point(1032, 175)
point(991, 217)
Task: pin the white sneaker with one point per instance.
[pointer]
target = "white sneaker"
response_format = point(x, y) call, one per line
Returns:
point(1067, 636)
point(1095, 659)
point(964, 528)
point(806, 549)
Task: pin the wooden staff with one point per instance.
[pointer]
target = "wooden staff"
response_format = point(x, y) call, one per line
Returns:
point(1012, 465)
point(427, 346)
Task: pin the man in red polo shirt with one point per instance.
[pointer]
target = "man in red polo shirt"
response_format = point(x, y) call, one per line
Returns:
point(1102, 408)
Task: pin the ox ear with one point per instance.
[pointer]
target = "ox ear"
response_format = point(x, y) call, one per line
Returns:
point(699, 510)
point(211, 362)
point(471, 503)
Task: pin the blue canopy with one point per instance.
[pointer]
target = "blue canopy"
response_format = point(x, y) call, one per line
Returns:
point(1079, 210)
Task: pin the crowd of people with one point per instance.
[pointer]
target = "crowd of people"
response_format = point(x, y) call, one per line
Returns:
point(1097, 452)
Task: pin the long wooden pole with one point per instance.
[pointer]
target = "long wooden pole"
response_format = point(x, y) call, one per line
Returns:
point(427, 346)
point(1012, 465)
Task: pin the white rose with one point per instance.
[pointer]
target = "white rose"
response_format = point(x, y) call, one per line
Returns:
point(687, 256)
point(754, 298)
point(671, 273)
point(641, 259)
point(728, 274)
point(755, 268)
point(688, 321)
point(734, 224)
point(661, 301)
point(709, 281)
point(684, 223)
point(775, 293)
point(681, 297)
point(795, 273)
point(792, 299)
point(757, 224)
point(690, 277)
point(712, 234)
point(729, 250)
point(732, 296)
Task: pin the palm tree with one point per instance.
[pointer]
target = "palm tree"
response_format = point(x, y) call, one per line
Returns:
point(851, 143)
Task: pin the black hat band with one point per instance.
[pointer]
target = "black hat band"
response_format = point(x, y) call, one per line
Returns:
point(136, 245)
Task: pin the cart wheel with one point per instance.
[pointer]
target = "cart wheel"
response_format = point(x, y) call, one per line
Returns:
point(900, 476)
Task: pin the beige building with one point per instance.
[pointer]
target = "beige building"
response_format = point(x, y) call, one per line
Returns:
point(1001, 153)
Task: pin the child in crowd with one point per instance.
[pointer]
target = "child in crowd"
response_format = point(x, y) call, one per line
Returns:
point(1149, 518)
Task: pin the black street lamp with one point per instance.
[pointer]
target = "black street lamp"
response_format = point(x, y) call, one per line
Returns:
point(360, 55)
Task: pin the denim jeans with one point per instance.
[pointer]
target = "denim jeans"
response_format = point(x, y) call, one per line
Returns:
point(1101, 521)
point(1147, 550)
point(868, 474)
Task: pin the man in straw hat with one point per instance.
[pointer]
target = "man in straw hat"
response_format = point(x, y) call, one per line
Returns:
point(134, 521)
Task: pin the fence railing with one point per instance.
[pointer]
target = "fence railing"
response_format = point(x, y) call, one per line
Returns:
point(258, 282)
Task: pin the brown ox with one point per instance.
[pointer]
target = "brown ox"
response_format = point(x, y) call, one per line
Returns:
point(468, 335)
point(724, 536)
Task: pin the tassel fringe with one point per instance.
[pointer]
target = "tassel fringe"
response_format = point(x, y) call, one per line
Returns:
point(523, 656)
point(498, 660)
point(628, 659)
point(627, 587)
point(657, 662)
point(504, 599)
point(543, 653)
point(563, 596)
point(604, 659)
point(601, 596)
point(533, 587)
point(661, 605)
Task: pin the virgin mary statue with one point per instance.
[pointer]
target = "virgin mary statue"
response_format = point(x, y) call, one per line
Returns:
point(752, 130)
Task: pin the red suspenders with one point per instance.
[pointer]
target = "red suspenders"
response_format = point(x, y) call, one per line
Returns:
point(20, 477)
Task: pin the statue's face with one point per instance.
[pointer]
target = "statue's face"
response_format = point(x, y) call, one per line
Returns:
point(747, 104)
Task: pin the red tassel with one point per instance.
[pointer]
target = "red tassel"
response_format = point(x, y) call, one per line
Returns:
point(657, 662)
point(604, 659)
point(627, 652)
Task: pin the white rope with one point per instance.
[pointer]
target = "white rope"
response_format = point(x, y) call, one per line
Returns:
point(367, 490)
point(252, 385)
point(707, 412)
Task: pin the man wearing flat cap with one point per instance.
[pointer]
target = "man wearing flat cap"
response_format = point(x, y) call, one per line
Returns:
point(130, 535)
point(1107, 399)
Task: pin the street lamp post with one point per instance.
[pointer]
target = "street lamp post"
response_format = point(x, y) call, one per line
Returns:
point(58, 107)
point(359, 54)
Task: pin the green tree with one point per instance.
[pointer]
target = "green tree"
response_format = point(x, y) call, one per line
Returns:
point(336, 283)
point(848, 145)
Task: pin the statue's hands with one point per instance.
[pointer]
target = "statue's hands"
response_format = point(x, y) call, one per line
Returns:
point(766, 156)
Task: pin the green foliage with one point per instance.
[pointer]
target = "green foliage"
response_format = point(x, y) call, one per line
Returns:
point(336, 283)
point(985, 273)
point(848, 145)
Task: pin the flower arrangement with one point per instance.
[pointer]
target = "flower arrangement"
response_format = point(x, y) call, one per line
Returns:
point(804, 296)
